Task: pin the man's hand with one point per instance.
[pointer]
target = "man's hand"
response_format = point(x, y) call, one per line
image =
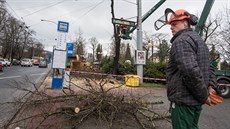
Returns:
point(213, 98)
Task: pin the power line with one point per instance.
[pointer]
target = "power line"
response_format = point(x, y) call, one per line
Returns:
point(12, 10)
point(44, 8)
point(32, 7)
point(72, 12)
point(129, 2)
point(91, 9)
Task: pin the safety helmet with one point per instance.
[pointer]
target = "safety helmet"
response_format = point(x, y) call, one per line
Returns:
point(171, 16)
point(178, 15)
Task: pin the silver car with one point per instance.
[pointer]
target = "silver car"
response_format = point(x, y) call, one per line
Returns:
point(26, 62)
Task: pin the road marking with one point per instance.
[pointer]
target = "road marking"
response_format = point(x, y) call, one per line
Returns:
point(10, 77)
point(1, 73)
point(37, 74)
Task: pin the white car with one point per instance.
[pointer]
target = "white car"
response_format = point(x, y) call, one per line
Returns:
point(5, 62)
point(26, 62)
point(8, 63)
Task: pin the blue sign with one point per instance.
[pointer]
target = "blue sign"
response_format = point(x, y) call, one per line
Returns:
point(70, 48)
point(63, 26)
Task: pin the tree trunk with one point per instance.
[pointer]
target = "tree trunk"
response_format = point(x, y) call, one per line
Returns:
point(117, 43)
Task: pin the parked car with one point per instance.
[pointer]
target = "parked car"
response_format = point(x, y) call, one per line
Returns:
point(8, 63)
point(26, 62)
point(42, 64)
point(1, 66)
point(5, 62)
point(16, 62)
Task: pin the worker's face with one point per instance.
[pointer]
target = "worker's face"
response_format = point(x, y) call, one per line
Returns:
point(177, 26)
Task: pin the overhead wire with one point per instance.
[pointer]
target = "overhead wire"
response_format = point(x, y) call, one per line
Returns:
point(44, 8)
point(13, 10)
point(72, 11)
point(91, 9)
point(44, 5)
point(129, 2)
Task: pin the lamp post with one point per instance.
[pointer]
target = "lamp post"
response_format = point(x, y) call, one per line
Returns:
point(54, 46)
point(49, 21)
point(139, 39)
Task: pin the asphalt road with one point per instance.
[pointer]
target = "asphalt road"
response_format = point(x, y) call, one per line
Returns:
point(12, 79)
point(216, 117)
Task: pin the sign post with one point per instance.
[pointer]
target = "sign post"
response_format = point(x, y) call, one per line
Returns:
point(59, 55)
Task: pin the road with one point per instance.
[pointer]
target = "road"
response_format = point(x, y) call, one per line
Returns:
point(11, 80)
point(216, 117)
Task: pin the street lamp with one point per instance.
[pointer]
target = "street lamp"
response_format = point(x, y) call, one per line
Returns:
point(49, 21)
point(44, 20)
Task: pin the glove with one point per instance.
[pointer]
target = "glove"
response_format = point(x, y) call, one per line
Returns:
point(213, 98)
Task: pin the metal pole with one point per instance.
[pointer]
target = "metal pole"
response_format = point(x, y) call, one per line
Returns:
point(206, 10)
point(139, 39)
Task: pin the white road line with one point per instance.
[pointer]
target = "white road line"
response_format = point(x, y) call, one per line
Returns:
point(37, 74)
point(9, 77)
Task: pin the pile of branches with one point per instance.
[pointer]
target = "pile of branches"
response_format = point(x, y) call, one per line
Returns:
point(86, 99)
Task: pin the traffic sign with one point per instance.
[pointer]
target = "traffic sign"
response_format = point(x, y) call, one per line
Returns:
point(63, 26)
point(123, 22)
point(70, 48)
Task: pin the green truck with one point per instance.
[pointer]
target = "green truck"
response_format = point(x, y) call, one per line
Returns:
point(223, 78)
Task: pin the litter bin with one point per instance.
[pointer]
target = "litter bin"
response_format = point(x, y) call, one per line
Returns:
point(132, 80)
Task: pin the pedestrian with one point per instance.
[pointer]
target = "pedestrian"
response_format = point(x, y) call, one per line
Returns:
point(187, 71)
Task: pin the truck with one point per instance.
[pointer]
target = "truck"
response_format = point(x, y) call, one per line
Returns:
point(223, 78)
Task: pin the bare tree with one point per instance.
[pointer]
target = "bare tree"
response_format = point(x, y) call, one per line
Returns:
point(147, 40)
point(80, 44)
point(99, 52)
point(225, 39)
point(93, 42)
point(211, 26)
point(151, 40)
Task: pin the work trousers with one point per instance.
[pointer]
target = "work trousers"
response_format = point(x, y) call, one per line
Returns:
point(185, 117)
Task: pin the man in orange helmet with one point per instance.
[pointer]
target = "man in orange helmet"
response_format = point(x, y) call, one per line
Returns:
point(187, 71)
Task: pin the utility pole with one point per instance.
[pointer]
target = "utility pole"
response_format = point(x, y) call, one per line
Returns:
point(139, 39)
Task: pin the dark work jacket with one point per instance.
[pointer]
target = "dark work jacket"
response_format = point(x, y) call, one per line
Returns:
point(188, 69)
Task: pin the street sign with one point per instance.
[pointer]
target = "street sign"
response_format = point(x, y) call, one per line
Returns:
point(140, 57)
point(63, 26)
point(70, 48)
point(61, 41)
point(59, 59)
point(123, 22)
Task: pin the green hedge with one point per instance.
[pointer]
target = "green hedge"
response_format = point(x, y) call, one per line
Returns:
point(151, 70)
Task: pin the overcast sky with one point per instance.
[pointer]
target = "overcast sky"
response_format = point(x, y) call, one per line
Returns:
point(93, 17)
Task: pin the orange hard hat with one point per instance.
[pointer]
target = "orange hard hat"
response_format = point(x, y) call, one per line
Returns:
point(178, 15)
point(171, 16)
